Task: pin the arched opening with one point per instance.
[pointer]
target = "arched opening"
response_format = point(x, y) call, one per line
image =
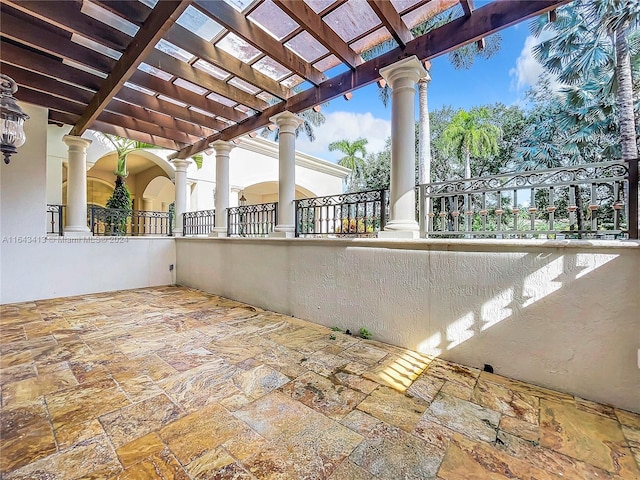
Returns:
point(158, 195)
point(267, 192)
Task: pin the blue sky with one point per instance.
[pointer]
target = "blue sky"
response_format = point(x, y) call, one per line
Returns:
point(503, 78)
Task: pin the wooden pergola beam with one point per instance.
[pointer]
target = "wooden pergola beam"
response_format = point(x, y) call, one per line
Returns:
point(392, 20)
point(134, 12)
point(228, 17)
point(485, 21)
point(158, 22)
point(73, 20)
point(316, 27)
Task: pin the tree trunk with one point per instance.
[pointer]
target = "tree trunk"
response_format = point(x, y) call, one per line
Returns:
point(424, 151)
point(626, 119)
point(624, 98)
point(467, 164)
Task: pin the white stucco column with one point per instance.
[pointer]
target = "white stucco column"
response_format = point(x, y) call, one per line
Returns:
point(77, 187)
point(223, 149)
point(287, 122)
point(181, 166)
point(402, 77)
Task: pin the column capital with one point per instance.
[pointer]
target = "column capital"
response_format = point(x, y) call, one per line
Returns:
point(406, 69)
point(286, 121)
point(181, 164)
point(221, 147)
point(75, 141)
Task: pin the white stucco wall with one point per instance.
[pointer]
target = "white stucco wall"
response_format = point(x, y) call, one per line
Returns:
point(50, 267)
point(558, 314)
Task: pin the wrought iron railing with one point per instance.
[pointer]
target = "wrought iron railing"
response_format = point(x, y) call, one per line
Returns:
point(252, 220)
point(113, 221)
point(584, 201)
point(361, 214)
point(55, 214)
point(200, 222)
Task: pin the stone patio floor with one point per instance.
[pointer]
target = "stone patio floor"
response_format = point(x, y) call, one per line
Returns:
point(173, 383)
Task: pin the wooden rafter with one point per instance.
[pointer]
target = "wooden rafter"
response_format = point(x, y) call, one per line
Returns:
point(134, 12)
point(467, 7)
point(73, 20)
point(183, 95)
point(183, 70)
point(225, 15)
point(158, 22)
point(485, 21)
point(318, 29)
point(195, 45)
point(390, 18)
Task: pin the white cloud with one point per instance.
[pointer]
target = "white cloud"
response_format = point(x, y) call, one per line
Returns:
point(345, 126)
point(527, 71)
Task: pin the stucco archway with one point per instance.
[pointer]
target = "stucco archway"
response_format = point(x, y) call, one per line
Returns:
point(266, 192)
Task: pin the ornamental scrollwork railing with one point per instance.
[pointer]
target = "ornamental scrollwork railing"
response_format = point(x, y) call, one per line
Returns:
point(582, 201)
point(200, 222)
point(118, 222)
point(55, 219)
point(252, 220)
point(359, 214)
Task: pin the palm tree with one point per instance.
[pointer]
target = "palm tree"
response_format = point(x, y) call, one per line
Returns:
point(596, 46)
point(471, 134)
point(351, 159)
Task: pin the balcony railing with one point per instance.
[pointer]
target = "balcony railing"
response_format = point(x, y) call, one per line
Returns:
point(360, 214)
point(55, 214)
point(113, 221)
point(252, 220)
point(200, 222)
point(585, 201)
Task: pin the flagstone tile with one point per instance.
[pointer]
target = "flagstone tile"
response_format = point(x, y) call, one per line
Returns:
point(470, 459)
point(17, 372)
point(258, 381)
point(360, 422)
point(234, 351)
point(398, 371)
point(390, 452)
point(426, 387)
point(584, 436)
point(12, 359)
point(274, 414)
point(183, 361)
point(84, 402)
point(394, 408)
point(348, 470)
point(282, 359)
point(597, 408)
point(356, 382)
point(157, 466)
point(323, 363)
point(139, 388)
point(363, 353)
point(92, 459)
point(32, 389)
point(628, 418)
point(554, 462)
point(199, 432)
point(433, 432)
point(520, 405)
point(13, 334)
point(520, 428)
point(26, 436)
point(321, 394)
point(464, 417)
point(139, 449)
point(139, 419)
point(42, 328)
point(216, 463)
point(535, 390)
point(453, 372)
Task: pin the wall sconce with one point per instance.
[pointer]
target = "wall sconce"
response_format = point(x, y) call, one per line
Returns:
point(11, 119)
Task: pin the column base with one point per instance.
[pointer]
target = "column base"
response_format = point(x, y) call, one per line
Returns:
point(218, 232)
point(282, 234)
point(406, 234)
point(77, 232)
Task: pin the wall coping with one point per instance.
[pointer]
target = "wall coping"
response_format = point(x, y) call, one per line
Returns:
point(433, 244)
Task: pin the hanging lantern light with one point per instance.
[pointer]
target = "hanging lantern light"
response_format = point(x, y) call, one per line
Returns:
point(242, 200)
point(11, 119)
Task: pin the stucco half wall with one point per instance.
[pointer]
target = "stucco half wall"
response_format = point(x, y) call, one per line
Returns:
point(563, 315)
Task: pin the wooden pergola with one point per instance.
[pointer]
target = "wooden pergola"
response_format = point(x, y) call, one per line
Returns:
point(181, 74)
